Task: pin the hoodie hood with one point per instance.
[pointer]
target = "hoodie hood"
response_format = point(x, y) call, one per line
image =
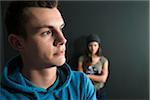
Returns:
point(16, 81)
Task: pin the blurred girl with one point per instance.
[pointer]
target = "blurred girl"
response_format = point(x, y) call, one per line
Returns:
point(95, 65)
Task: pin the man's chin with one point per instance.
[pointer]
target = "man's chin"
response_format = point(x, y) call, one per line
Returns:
point(61, 62)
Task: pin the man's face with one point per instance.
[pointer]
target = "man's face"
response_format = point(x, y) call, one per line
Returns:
point(45, 43)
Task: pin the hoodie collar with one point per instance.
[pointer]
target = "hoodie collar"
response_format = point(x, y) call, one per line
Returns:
point(15, 80)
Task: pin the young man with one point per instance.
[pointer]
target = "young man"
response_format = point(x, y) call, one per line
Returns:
point(39, 71)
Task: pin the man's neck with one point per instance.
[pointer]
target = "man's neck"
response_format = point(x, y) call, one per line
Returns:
point(43, 78)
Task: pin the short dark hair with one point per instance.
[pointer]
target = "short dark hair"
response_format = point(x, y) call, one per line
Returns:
point(15, 17)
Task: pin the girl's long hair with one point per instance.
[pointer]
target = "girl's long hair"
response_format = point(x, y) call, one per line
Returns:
point(88, 55)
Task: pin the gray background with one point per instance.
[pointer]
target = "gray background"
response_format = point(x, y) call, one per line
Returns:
point(124, 31)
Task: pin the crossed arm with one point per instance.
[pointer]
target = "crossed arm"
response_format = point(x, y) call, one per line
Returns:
point(97, 78)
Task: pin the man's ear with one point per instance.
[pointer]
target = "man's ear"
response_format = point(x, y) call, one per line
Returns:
point(16, 42)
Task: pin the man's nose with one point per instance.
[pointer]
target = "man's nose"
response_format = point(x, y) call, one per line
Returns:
point(59, 39)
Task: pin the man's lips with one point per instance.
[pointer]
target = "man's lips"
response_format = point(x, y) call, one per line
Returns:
point(59, 53)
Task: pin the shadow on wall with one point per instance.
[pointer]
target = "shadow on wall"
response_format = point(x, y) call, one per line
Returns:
point(79, 46)
point(8, 51)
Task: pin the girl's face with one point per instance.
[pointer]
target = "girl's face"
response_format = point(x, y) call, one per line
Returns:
point(93, 47)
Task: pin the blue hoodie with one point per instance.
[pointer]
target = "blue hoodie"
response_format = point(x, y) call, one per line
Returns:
point(69, 85)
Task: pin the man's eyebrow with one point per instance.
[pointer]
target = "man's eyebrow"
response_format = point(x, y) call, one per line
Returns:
point(49, 26)
point(44, 26)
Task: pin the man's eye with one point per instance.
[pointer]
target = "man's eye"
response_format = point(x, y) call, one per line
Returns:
point(62, 29)
point(46, 33)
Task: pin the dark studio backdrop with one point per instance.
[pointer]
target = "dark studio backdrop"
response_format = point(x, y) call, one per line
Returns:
point(123, 27)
